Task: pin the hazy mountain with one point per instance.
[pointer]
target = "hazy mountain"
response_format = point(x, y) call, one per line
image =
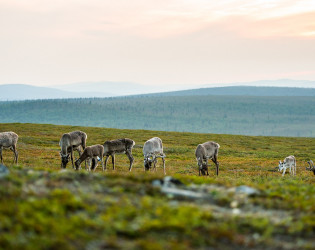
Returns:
point(9, 92)
point(110, 89)
point(116, 88)
point(268, 83)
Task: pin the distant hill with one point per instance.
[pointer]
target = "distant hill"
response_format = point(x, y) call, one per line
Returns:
point(10, 92)
point(245, 115)
point(243, 91)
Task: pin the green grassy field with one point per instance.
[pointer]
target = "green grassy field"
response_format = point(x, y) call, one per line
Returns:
point(44, 207)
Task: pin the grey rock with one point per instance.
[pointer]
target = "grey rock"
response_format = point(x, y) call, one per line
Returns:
point(246, 190)
point(3, 171)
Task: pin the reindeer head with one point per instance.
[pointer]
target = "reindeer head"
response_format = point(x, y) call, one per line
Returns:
point(312, 167)
point(280, 166)
point(77, 164)
point(64, 159)
point(148, 162)
point(204, 168)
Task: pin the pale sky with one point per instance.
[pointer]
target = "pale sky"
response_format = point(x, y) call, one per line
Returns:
point(190, 42)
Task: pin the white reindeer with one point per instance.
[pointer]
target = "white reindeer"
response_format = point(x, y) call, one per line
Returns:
point(9, 140)
point(290, 163)
point(153, 149)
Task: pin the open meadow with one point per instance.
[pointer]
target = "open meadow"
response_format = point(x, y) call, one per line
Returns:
point(44, 207)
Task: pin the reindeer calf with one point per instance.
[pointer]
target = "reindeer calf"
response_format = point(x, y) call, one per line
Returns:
point(91, 152)
point(289, 162)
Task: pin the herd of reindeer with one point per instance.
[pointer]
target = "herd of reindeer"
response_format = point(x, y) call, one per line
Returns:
point(152, 149)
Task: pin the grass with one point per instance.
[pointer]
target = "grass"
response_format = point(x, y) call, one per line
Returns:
point(45, 208)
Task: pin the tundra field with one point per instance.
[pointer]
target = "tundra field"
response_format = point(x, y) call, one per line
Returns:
point(44, 207)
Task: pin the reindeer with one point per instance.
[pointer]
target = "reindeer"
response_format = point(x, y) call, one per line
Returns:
point(289, 162)
point(9, 140)
point(312, 167)
point(69, 142)
point(204, 152)
point(93, 154)
point(119, 146)
point(153, 149)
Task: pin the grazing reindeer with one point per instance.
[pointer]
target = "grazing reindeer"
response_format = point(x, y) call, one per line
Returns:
point(9, 140)
point(70, 142)
point(119, 146)
point(204, 152)
point(289, 162)
point(90, 153)
point(153, 149)
point(312, 167)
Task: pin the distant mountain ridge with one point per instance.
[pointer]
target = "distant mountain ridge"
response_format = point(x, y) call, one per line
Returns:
point(11, 92)
point(16, 92)
point(243, 91)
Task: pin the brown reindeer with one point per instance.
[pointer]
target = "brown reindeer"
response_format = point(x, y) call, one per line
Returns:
point(95, 152)
point(312, 167)
point(119, 146)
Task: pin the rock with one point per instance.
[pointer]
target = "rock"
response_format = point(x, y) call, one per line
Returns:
point(167, 181)
point(246, 190)
point(174, 188)
point(3, 171)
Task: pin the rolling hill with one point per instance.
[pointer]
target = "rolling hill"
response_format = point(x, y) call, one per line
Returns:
point(250, 115)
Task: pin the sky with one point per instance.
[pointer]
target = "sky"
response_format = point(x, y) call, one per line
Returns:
point(165, 42)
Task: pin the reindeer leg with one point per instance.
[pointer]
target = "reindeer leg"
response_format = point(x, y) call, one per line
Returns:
point(284, 169)
point(131, 159)
point(1, 154)
point(89, 164)
point(215, 160)
point(163, 165)
point(72, 157)
point(106, 159)
point(11, 148)
point(102, 163)
point(15, 154)
point(113, 161)
point(96, 164)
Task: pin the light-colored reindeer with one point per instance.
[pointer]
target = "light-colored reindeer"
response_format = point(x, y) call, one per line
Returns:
point(288, 163)
point(68, 143)
point(204, 152)
point(153, 149)
point(9, 140)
